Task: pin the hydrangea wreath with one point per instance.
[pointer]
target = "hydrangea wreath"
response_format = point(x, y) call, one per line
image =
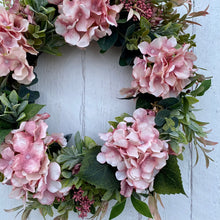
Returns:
point(139, 156)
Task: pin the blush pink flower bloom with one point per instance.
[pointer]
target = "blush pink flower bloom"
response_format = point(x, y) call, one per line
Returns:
point(170, 70)
point(82, 21)
point(25, 163)
point(15, 60)
point(13, 47)
point(6, 163)
point(49, 186)
point(136, 151)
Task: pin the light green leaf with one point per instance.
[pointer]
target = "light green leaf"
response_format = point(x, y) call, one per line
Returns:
point(205, 85)
point(31, 110)
point(5, 101)
point(13, 97)
point(78, 142)
point(89, 142)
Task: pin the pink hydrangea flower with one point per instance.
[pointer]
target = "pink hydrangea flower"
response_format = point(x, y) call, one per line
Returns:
point(15, 60)
point(25, 163)
point(136, 151)
point(82, 21)
point(49, 186)
point(6, 163)
point(13, 47)
point(170, 70)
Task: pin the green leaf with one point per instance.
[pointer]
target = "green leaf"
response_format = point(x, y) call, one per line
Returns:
point(130, 30)
point(192, 100)
point(169, 102)
point(89, 142)
point(95, 173)
point(169, 30)
point(68, 158)
point(5, 101)
point(107, 42)
point(31, 110)
point(121, 117)
point(144, 23)
point(141, 207)
point(78, 142)
point(107, 195)
point(36, 4)
point(3, 134)
point(13, 97)
point(205, 85)
point(66, 174)
point(161, 116)
point(168, 180)
point(22, 106)
point(117, 209)
point(146, 100)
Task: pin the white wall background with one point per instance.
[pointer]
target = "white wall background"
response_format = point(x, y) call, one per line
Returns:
point(81, 89)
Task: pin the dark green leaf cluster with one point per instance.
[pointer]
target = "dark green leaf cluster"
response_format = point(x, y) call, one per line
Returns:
point(14, 110)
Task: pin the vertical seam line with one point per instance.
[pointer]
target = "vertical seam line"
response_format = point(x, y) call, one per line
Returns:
point(83, 99)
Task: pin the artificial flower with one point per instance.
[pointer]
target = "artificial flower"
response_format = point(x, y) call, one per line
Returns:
point(136, 151)
point(81, 21)
point(164, 70)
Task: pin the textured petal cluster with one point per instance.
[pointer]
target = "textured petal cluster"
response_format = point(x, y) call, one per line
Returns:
point(81, 21)
point(136, 151)
point(13, 47)
point(164, 70)
point(25, 163)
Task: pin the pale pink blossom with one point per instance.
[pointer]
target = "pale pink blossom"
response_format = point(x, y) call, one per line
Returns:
point(15, 60)
point(164, 70)
point(81, 21)
point(47, 188)
point(25, 163)
point(6, 163)
point(14, 26)
point(57, 138)
point(136, 151)
point(13, 47)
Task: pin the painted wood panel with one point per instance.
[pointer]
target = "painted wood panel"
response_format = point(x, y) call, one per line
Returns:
point(81, 91)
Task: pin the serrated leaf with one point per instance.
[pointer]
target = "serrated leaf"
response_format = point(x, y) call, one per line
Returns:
point(100, 175)
point(141, 207)
point(168, 180)
point(117, 209)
